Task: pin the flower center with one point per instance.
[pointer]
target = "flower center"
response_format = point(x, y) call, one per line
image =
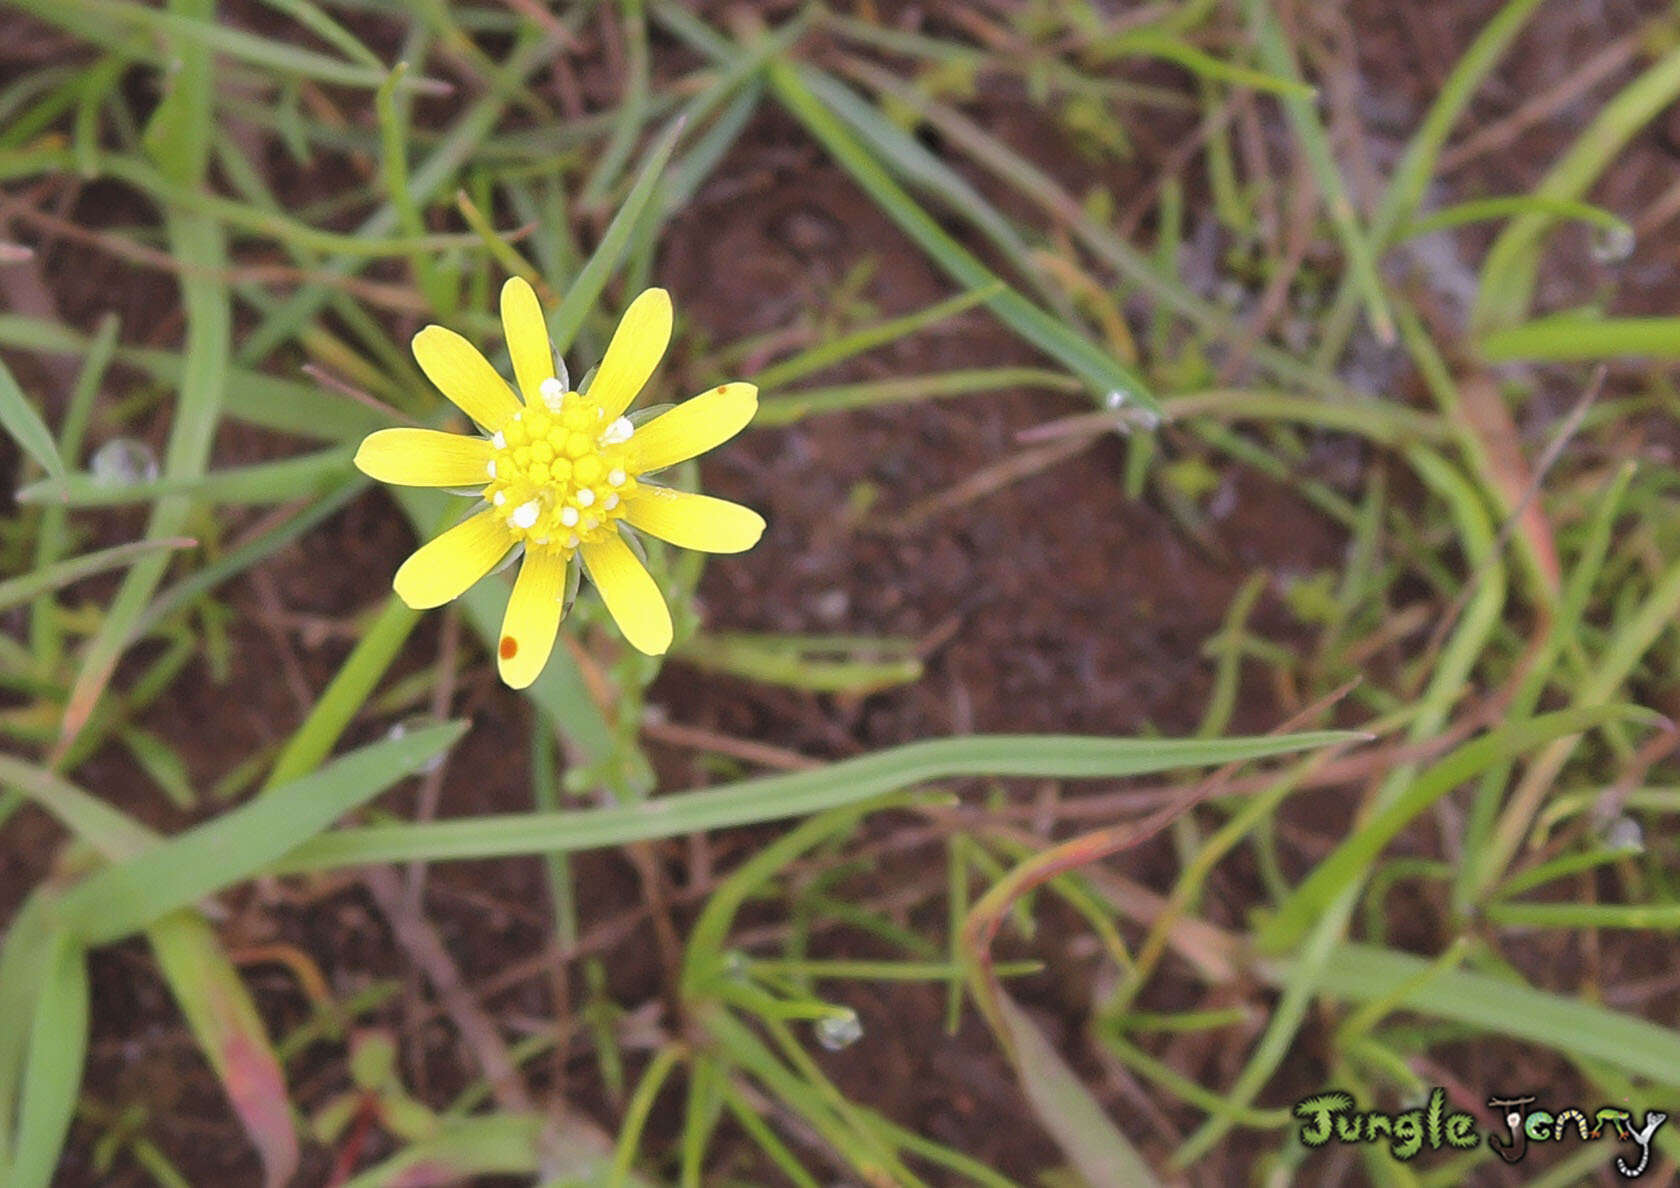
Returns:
point(561, 471)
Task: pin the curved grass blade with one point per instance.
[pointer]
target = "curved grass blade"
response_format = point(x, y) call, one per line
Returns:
point(1105, 374)
point(772, 798)
point(125, 898)
point(1508, 276)
point(1153, 43)
point(1482, 209)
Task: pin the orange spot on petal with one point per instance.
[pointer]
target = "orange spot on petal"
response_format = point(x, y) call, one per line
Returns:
point(722, 388)
point(509, 647)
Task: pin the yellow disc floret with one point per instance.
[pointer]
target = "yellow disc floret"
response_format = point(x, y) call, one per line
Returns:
point(560, 472)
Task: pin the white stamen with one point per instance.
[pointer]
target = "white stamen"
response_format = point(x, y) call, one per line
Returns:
point(617, 432)
point(499, 498)
point(616, 477)
point(569, 516)
point(490, 466)
point(542, 540)
point(610, 502)
point(590, 524)
point(552, 393)
point(572, 541)
point(585, 497)
point(499, 441)
point(525, 514)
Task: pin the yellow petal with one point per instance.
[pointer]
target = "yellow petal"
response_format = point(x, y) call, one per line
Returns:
point(697, 522)
point(527, 337)
point(694, 426)
point(532, 618)
point(443, 568)
point(424, 458)
point(631, 595)
point(635, 350)
point(465, 376)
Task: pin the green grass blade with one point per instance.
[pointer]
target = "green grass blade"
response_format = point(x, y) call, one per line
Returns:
point(1412, 177)
point(23, 963)
point(348, 692)
point(1653, 917)
point(838, 350)
point(46, 634)
point(584, 292)
point(1572, 337)
point(125, 898)
point(257, 483)
point(110, 831)
point(53, 1071)
point(1101, 371)
point(25, 426)
point(179, 137)
point(230, 1033)
point(311, 17)
point(493, 1145)
point(857, 666)
point(1508, 276)
point(101, 20)
point(1092, 1143)
point(772, 798)
point(1482, 209)
point(796, 406)
point(1153, 43)
point(1315, 142)
point(1345, 865)
point(272, 402)
point(1575, 1028)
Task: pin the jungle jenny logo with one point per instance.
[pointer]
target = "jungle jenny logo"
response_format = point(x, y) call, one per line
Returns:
point(1332, 1115)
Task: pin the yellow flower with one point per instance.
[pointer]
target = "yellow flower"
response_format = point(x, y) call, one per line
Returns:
point(562, 473)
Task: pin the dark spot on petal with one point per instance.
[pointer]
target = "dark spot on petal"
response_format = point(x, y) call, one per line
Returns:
point(509, 646)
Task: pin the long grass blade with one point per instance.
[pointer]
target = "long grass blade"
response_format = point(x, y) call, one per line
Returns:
point(772, 798)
